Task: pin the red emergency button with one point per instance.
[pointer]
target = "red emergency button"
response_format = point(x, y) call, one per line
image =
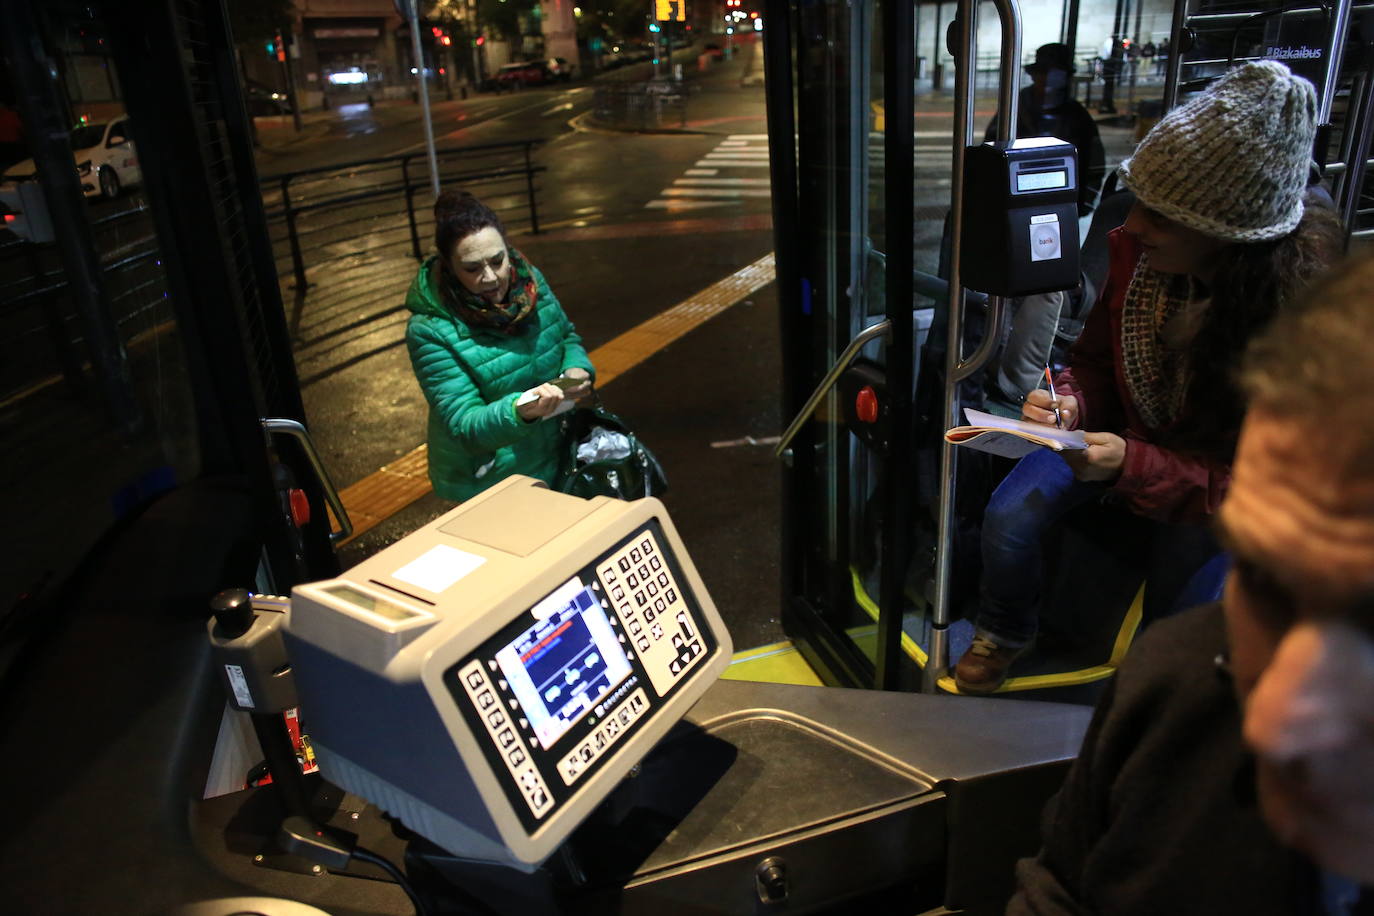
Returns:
point(866, 404)
point(300, 507)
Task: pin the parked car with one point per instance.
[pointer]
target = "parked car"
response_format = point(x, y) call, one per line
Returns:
point(106, 161)
point(524, 73)
point(713, 50)
point(261, 100)
point(560, 68)
point(614, 56)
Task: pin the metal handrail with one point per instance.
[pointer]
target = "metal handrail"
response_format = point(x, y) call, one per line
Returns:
point(864, 337)
point(384, 160)
point(1340, 22)
point(922, 283)
point(331, 493)
point(957, 368)
point(288, 211)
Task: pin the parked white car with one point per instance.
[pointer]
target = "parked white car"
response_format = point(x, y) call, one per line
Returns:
point(106, 160)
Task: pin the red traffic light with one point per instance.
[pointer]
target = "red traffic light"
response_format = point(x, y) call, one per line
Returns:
point(481, 40)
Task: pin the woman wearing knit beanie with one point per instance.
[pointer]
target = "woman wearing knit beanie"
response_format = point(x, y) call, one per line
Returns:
point(1219, 239)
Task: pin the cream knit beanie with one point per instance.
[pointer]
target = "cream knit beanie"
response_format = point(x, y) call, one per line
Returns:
point(1233, 162)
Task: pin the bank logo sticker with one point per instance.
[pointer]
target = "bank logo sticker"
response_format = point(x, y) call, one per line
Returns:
point(1044, 237)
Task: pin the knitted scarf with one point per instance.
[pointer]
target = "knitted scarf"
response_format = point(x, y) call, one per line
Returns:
point(504, 317)
point(1156, 376)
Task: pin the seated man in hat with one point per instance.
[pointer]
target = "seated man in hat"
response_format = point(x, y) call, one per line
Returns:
point(1230, 766)
point(1047, 108)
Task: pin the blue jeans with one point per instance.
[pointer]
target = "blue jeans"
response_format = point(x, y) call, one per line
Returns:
point(1038, 492)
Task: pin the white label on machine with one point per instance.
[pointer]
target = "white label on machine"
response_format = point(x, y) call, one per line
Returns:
point(439, 567)
point(239, 684)
point(1044, 237)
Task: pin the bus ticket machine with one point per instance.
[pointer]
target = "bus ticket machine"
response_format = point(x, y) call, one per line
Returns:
point(490, 678)
point(1020, 229)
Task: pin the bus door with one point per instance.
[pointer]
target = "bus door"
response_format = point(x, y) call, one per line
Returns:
point(867, 138)
point(860, 212)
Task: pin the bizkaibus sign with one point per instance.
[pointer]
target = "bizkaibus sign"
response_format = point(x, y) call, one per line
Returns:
point(1299, 39)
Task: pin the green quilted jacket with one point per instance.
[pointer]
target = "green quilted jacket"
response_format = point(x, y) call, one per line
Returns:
point(472, 378)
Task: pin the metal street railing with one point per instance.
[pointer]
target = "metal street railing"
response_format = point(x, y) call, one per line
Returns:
point(330, 213)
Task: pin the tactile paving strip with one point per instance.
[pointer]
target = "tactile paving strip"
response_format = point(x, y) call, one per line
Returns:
point(390, 489)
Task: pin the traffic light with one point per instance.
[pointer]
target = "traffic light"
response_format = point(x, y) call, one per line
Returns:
point(26, 212)
point(479, 41)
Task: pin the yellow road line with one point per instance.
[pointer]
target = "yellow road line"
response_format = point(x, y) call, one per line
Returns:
point(390, 489)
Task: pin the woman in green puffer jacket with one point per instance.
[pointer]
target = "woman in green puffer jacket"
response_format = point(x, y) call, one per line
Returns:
point(487, 340)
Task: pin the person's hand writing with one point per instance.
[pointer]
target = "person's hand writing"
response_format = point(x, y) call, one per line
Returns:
point(1100, 461)
point(581, 391)
point(1039, 408)
point(547, 397)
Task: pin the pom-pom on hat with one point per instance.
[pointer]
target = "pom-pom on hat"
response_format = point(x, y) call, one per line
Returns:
point(1233, 162)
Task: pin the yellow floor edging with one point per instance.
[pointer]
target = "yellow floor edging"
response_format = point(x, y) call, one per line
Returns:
point(390, 489)
point(1129, 624)
point(776, 663)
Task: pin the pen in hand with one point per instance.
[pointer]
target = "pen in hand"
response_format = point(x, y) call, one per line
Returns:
point(1054, 398)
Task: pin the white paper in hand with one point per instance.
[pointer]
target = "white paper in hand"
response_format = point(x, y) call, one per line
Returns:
point(1011, 438)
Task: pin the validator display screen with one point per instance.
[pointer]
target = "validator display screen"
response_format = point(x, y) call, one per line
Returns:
point(1040, 181)
point(562, 666)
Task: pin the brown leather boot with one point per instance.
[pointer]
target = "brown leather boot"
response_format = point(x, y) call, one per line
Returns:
point(983, 668)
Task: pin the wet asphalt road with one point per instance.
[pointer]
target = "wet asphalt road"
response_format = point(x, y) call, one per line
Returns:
point(616, 253)
point(614, 262)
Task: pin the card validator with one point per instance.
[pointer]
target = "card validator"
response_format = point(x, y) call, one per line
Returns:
point(1020, 225)
point(490, 678)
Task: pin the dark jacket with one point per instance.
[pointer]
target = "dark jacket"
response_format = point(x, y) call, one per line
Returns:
point(1156, 482)
point(1068, 121)
point(1158, 813)
point(472, 378)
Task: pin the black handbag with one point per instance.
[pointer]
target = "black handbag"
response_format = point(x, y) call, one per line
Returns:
point(633, 475)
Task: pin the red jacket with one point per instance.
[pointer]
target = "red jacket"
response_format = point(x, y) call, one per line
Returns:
point(1156, 482)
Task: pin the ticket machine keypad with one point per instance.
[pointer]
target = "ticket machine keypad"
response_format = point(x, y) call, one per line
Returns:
point(648, 600)
point(505, 735)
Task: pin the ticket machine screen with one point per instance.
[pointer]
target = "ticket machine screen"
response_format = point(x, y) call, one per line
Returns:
point(558, 690)
point(562, 666)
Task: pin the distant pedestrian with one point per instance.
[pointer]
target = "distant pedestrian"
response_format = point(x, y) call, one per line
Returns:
point(493, 352)
point(1162, 57)
point(1112, 57)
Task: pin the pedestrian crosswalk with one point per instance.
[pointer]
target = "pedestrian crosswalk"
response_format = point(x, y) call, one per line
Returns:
point(737, 169)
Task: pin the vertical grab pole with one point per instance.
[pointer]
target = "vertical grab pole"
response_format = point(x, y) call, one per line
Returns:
point(955, 366)
point(899, 151)
point(1340, 23)
point(1174, 65)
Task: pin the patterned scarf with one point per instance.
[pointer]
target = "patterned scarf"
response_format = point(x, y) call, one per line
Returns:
point(1156, 375)
point(504, 317)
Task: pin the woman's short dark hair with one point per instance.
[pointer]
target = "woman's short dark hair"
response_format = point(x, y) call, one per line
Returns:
point(457, 215)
